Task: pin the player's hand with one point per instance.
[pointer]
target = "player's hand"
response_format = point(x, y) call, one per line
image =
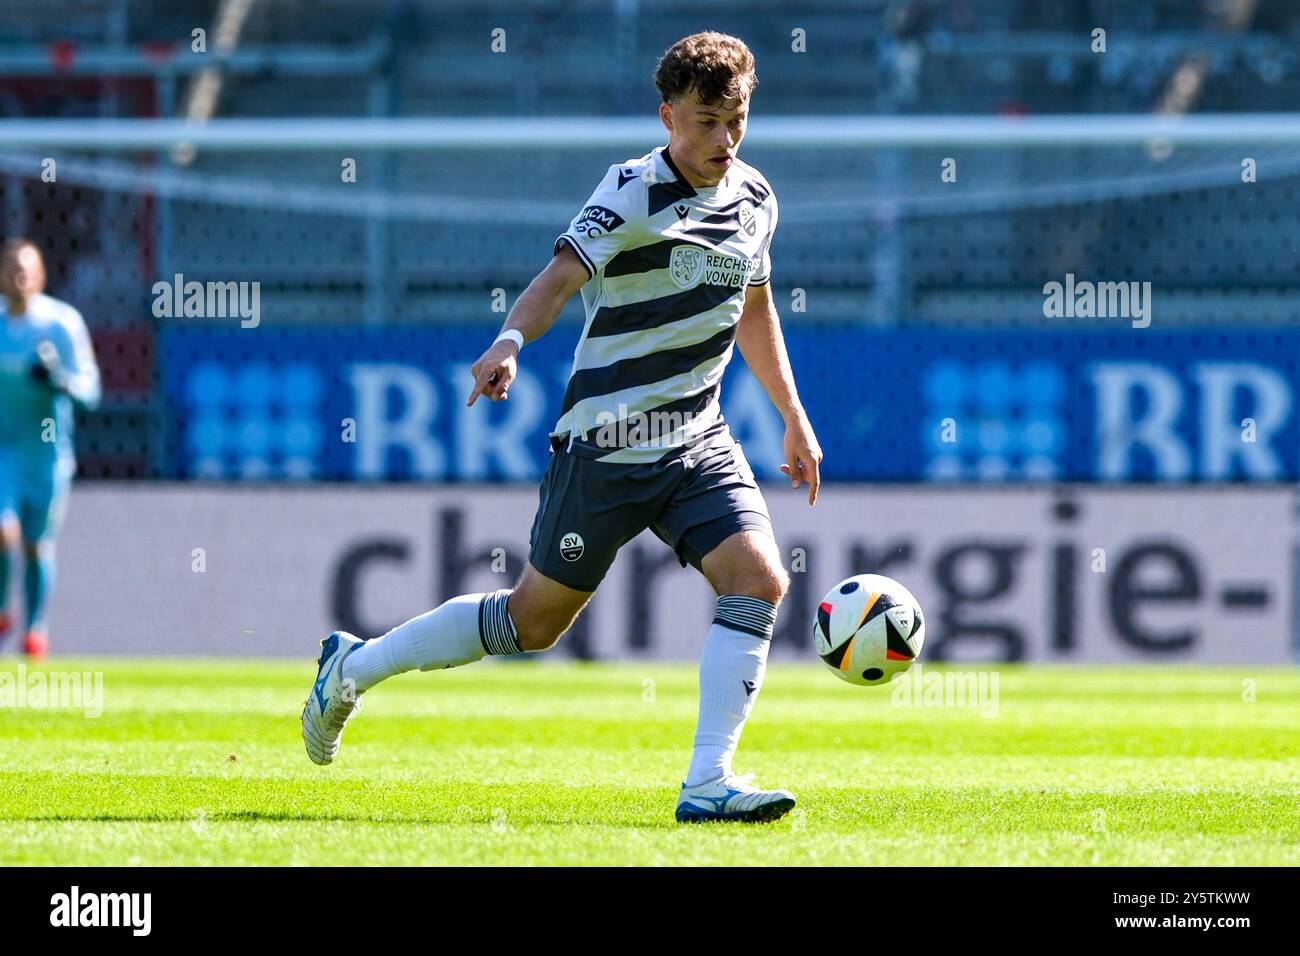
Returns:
point(802, 456)
point(494, 371)
point(47, 368)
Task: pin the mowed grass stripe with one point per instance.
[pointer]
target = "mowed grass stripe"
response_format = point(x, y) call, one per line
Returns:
point(200, 762)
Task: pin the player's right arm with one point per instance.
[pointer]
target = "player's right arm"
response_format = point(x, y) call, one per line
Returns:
point(66, 360)
point(611, 217)
point(534, 312)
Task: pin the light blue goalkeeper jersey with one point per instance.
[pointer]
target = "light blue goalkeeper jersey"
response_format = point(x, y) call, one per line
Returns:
point(29, 407)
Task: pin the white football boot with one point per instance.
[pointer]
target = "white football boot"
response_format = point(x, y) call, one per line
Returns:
point(332, 701)
point(732, 798)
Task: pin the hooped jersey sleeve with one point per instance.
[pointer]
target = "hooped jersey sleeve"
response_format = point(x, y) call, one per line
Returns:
point(764, 273)
point(608, 220)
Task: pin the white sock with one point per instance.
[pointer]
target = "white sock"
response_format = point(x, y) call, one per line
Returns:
point(731, 673)
point(459, 631)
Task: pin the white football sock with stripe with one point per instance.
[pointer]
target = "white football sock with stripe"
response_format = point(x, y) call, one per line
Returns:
point(731, 674)
point(460, 631)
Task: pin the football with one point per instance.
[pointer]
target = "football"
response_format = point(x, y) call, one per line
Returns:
point(868, 628)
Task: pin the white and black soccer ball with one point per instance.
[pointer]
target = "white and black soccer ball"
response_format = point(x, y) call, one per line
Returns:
point(868, 628)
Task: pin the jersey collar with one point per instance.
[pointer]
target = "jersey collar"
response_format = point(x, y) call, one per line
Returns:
point(672, 167)
point(702, 191)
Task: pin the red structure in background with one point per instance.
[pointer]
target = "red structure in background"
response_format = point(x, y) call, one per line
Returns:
point(68, 220)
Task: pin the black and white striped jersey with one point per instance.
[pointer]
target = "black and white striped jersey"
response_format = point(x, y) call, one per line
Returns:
point(669, 267)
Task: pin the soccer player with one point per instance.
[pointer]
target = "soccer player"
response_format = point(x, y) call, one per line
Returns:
point(671, 253)
point(46, 363)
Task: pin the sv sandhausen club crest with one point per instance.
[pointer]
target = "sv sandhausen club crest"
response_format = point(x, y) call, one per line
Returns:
point(686, 265)
point(747, 220)
point(571, 546)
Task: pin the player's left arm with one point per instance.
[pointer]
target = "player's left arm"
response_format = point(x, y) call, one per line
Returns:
point(70, 364)
point(763, 346)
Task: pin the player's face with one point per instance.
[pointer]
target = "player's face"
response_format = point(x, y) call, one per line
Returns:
point(22, 273)
point(704, 138)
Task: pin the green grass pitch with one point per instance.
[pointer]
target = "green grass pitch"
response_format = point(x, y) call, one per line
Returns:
point(200, 762)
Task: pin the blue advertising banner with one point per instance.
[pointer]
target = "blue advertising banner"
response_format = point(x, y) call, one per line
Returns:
point(388, 403)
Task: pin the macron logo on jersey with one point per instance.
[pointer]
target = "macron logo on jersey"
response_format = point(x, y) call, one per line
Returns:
point(596, 221)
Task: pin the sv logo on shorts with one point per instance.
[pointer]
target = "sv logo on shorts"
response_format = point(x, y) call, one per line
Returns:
point(571, 546)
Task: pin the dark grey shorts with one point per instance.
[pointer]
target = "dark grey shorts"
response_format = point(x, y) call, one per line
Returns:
point(588, 509)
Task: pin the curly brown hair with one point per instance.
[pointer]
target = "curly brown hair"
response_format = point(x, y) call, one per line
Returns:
point(717, 66)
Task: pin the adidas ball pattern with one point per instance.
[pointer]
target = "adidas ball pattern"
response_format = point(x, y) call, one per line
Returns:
point(868, 628)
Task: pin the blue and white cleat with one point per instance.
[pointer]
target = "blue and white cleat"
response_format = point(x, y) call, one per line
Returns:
point(332, 701)
point(732, 798)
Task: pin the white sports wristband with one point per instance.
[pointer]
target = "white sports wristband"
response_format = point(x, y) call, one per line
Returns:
point(511, 335)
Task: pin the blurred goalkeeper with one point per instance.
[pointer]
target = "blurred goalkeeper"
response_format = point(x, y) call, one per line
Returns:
point(46, 363)
point(672, 255)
